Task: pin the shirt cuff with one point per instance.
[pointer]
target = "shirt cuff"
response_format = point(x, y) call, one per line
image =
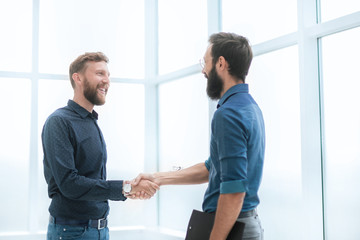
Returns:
point(233, 186)
point(116, 191)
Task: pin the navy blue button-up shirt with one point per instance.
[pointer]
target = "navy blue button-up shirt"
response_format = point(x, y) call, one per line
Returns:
point(237, 149)
point(75, 165)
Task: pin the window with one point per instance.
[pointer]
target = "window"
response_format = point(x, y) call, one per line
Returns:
point(157, 115)
point(182, 33)
point(184, 141)
point(68, 30)
point(14, 154)
point(276, 90)
point(331, 9)
point(16, 35)
point(341, 133)
point(259, 20)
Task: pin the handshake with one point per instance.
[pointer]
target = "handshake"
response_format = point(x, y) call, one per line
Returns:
point(144, 186)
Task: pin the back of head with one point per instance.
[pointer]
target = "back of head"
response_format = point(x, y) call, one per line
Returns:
point(79, 64)
point(235, 49)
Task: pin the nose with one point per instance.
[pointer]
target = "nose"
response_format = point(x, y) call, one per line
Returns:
point(106, 79)
point(203, 71)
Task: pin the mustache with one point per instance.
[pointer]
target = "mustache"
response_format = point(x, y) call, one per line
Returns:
point(101, 85)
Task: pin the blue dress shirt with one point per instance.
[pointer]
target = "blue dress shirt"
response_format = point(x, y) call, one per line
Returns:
point(236, 149)
point(75, 165)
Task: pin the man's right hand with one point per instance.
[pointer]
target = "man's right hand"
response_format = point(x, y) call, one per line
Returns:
point(145, 176)
point(143, 189)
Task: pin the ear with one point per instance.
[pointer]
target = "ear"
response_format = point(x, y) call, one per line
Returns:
point(76, 78)
point(222, 63)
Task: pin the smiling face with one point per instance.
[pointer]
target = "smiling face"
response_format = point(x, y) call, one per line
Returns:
point(96, 82)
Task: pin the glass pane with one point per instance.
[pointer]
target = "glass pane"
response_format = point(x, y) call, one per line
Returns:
point(184, 141)
point(14, 154)
point(182, 33)
point(121, 120)
point(52, 94)
point(331, 9)
point(16, 35)
point(70, 28)
point(255, 20)
point(342, 134)
point(276, 90)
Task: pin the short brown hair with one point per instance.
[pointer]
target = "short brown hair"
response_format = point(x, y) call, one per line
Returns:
point(79, 64)
point(235, 49)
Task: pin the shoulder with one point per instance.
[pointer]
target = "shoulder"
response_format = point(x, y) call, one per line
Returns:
point(60, 116)
point(222, 114)
point(224, 118)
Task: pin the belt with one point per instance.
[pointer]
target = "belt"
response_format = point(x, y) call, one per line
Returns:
point(99, 223)
point(250, 213)
point(246, 214)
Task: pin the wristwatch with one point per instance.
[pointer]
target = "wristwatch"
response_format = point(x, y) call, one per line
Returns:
point(126, 188)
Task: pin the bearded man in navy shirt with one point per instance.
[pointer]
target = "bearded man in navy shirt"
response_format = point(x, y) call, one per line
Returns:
point(75, 158)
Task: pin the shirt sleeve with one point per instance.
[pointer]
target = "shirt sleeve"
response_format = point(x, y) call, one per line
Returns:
point(60, 170)
point(231, 136)
point(207, 164)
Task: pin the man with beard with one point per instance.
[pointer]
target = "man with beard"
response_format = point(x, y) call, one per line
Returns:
point(234, 168)
point(75, 158)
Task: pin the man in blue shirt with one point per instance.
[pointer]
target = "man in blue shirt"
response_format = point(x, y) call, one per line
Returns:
point(75, 158)
point(234, 168)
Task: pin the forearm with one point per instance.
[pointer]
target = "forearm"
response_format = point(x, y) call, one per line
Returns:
point(83, 188)
point(228, 210)
point(196, 174)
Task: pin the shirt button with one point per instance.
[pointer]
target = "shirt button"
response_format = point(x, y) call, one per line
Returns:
point(64, 229)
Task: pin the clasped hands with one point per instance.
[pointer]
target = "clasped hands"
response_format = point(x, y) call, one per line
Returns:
point(144, 186)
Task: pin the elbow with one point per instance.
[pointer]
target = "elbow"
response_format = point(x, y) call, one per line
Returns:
point(71, 189)
point(206, 177)
point(70, 192)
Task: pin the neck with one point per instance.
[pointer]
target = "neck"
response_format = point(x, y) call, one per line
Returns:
point(82, 101)
point(229, 82)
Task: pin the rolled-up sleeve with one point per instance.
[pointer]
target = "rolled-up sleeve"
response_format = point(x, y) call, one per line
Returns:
point(233, 175)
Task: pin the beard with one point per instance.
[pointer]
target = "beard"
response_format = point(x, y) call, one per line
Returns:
point(91, 94)
point(215, 85)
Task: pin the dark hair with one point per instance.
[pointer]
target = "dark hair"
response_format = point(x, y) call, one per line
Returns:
point(235, 49)
point(79, 64)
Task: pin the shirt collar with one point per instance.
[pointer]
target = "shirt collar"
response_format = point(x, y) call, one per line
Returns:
point(238, 88)
point(82, 111)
